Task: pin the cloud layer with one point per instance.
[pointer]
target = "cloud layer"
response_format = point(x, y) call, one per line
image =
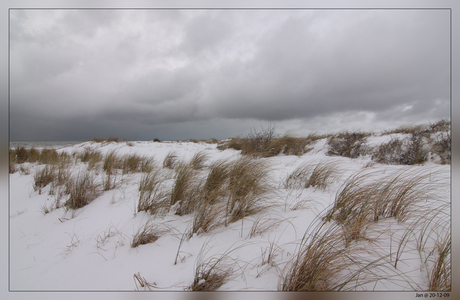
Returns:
point(174, 74)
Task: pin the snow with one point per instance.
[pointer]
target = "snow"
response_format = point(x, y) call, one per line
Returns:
point(89, 249)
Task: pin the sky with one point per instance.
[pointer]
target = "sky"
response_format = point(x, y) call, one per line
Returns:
point(175, 74)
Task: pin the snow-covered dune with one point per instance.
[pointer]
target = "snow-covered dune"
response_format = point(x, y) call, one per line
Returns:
point(54, 248)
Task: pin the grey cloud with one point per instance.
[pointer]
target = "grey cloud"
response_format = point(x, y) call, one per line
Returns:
point(171, 68)
point(205, 32)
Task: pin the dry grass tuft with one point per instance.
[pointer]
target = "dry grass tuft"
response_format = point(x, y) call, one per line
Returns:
point(310, 175)
point(441, 273)
point(366, 197)
point(82, 190)
point(322, 261)
point(198, 160)
point(185, 189)
point(111, 162)
point(43, 177)
point(170, 160)
point(131, 163)
point(261, 226)
point(231, 191)
point(265, 143)
point(248, 183)
point(50, 157)
point(211, 274)
point(152, 197)
point(149, 233)
point(90, 155)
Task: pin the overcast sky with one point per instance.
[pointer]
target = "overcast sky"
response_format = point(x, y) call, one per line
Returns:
point(181, 74)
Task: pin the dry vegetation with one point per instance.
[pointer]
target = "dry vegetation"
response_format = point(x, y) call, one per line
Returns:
point(265, 143)
point(222, 192)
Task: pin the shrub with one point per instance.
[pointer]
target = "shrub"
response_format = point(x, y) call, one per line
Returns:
point(391, 152)
point(409, 151)
point(442, 147)
point(348, 144)
point(12, 161)
point(441, 125)
point(405, 129)
point(415, 152)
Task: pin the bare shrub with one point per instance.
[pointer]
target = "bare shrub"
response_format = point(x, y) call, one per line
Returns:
point(415, 152)
point(409, 151)
point(257, 143)
point(442, 147)
point(390, 152)
point(348, 144)
point(12, 167)
point(439, 126)
point(405, 129)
